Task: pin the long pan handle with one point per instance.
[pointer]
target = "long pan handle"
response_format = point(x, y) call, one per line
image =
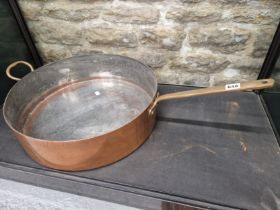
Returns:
point(235, 87)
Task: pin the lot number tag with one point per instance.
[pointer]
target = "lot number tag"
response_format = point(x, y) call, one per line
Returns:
point(232, 86)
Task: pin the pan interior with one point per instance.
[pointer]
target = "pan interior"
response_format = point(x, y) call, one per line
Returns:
point(86, 109)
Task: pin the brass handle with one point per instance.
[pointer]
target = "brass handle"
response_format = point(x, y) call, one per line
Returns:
point(8, 70)
point(235, 87)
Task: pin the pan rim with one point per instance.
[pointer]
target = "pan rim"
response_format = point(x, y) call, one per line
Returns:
point(88, 138)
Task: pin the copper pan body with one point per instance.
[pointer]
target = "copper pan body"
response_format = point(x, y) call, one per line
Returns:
point(76, 87)
point(86, 112)
point(90, 153)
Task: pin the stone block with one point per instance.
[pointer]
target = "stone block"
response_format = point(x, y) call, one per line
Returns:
point(131, 14)
point(191, 1)
point(53, 52)
point(202, 13)
point(200, 62)
point(154, 59)
point(263, 39)
point(142, 1)
point(113, 36)
point(224, 40)
point(56, 32)
point(260, 15)
point(31, 10)
point(182, 77)
point(73, 14)
point(246, 63)
point(162, 37)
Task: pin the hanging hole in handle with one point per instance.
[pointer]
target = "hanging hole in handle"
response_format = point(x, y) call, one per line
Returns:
point(8, 70)
point(264, 82)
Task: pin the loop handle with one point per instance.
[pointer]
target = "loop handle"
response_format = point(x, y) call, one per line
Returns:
point(8, 70)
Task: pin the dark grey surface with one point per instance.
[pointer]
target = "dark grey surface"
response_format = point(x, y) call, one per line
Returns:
point(205, 151)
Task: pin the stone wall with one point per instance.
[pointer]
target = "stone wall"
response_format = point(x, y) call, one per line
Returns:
point(192, 42)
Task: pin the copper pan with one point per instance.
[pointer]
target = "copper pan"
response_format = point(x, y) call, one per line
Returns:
point(90, 111)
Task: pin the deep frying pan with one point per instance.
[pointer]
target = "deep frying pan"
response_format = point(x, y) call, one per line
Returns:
point(89, 111)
